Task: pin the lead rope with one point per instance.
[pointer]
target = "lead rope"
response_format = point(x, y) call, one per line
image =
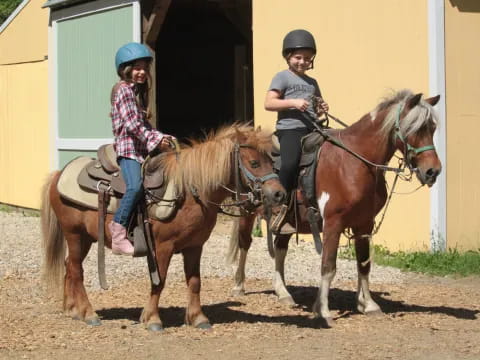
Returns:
point(347, 233)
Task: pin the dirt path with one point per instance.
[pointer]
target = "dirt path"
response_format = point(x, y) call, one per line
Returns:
point(426, 318)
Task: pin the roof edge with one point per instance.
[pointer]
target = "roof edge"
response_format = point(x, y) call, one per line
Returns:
point(13, 15)
point(54, 4)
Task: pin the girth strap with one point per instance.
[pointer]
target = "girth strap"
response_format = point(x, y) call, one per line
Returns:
point(103, 198)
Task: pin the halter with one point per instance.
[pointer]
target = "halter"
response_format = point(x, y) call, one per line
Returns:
point(409, 152)
point(254, 183)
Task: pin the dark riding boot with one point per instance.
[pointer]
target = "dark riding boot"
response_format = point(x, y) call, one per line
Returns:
point(277, 222)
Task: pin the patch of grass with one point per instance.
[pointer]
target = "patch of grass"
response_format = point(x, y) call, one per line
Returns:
point(451, 262)
point(16, 209)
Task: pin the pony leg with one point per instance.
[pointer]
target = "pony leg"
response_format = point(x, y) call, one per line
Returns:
point(365, 303)
point(150, 316)
point(240, 241)
point(75, 301)
point(239, 277)
point(281, 248)
point(328, 270)
point(191, 265)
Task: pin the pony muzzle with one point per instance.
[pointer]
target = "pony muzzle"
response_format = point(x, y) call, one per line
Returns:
point(274, 195)
point(427, 177)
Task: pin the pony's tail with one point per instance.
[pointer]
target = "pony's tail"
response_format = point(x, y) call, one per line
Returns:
point(233, 246)
point(53, 242)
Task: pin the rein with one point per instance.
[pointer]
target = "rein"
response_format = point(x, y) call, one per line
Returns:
point(410, 152)
point(341, 145)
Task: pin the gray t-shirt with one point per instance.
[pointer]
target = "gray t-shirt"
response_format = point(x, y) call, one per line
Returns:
point(293, 86)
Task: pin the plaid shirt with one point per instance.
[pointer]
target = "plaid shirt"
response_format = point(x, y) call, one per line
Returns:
point(134, 136)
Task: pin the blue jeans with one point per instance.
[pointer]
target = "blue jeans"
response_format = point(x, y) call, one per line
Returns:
point(132, 174)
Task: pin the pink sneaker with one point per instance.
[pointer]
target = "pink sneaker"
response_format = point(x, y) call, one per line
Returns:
point(120, 244)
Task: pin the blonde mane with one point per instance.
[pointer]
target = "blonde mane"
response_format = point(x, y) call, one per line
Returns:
point(421, 115)
point(206, 164)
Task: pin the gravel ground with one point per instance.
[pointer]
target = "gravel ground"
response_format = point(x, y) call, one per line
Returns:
point(20, 255)
point(424, 317)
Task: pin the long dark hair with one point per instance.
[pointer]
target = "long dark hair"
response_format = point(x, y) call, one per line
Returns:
point(142, 91)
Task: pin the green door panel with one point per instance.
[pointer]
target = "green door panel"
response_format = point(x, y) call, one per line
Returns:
point(65, 156)
point(86, 49)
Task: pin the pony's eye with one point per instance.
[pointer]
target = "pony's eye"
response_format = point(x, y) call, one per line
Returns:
point(254, 164)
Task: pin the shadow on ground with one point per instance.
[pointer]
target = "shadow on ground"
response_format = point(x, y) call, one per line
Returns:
point(341, 301)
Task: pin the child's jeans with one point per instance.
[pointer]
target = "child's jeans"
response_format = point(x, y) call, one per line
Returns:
point(131, 172)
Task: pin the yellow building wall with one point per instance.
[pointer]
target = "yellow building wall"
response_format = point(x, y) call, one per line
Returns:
point(462, 59)
point(24, 132)
point(364, 50)
point(25, 38)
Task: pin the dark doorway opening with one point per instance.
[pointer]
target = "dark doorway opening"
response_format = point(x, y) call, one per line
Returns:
point(204, 66)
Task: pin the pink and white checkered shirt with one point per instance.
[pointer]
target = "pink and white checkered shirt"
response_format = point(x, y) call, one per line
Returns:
point(134, 136)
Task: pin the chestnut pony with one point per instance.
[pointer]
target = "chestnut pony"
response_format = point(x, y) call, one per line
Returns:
point(234, 158)
point(351, 192)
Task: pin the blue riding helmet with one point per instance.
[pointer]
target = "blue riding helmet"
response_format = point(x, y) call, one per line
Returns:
point(131, 52)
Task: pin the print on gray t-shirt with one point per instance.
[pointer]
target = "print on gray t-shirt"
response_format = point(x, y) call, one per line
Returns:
point(292, 86)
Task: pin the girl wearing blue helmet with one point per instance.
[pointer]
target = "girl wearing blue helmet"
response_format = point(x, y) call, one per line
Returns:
point(134, 136)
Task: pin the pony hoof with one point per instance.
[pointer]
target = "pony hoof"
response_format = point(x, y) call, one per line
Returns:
point(155, 327)
point(287, 300)
point(204, 326)
point(93, 322)
point(237, 292)
point(374, 313)
point(369, 310)
point(324, 323)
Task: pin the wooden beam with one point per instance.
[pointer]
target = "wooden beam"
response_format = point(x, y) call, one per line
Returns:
point(152, 23)
point(153, 16)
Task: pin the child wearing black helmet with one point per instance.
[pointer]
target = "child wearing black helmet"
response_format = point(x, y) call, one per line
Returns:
point(134, 136)
point(297, 99)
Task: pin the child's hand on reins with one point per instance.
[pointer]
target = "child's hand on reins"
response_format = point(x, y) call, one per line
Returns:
point(165, 143)
point(300, 104)
point(322, 106)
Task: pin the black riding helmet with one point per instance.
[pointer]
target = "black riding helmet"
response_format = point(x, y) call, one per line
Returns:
point(298, 39)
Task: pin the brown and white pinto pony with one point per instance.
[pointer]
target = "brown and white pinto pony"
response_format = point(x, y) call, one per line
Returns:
point(208, 168)
point(350, 193)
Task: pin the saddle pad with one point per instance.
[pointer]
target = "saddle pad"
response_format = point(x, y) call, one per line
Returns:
point(275, 144)
point(68, 187)
point(162, 210)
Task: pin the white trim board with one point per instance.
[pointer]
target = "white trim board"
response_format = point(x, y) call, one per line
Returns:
point(436, 55)
point(81, 144)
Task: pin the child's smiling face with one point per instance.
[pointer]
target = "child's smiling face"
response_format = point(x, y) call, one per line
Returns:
point(300, 60)
point(140, 70)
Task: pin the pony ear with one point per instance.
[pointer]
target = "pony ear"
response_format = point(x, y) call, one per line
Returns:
point(414, 100)
point(239, 135)
point(433, 100)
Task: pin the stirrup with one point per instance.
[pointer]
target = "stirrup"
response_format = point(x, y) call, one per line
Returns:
point(287, 229)
point(277, 221)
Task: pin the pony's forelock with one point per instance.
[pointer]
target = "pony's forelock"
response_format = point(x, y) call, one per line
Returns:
point(416, 118)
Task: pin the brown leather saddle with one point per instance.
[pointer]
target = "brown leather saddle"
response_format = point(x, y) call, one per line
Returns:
point(104, 173)
point(311, 147)
point(103, 176)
